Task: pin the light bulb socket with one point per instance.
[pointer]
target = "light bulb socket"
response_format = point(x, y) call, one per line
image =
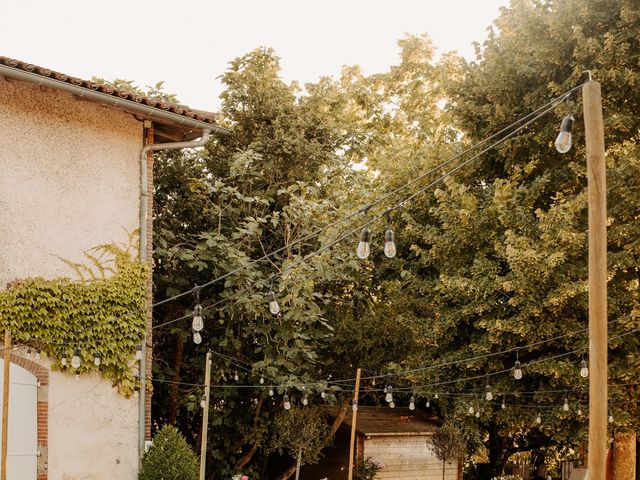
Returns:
point(567, 124)
point(365, 235)
point(389, 236)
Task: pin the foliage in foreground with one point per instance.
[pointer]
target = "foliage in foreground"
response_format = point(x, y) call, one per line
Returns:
point(169, 458)
point(366, 469)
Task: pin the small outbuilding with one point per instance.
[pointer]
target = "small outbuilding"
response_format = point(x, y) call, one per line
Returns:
point(395, 438)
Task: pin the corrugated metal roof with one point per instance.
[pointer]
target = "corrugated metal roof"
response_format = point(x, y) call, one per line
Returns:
point(372, 421)
point(199, 115)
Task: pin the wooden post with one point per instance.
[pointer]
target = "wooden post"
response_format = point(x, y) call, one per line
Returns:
point(5, 402)
point(205, 416)
point(354, 417)
point(597, 186)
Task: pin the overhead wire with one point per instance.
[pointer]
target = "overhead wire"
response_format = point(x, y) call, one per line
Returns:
point(529, 118)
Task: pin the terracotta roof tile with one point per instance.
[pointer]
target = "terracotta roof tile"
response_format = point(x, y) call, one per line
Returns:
point(200, 115)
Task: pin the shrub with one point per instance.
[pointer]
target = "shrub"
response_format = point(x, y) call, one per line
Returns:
point(366, 469)
point(169, 458)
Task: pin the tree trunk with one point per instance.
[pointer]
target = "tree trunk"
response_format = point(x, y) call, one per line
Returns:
point(624, 456)
point(246, 458)
point(497, 447)
point(334, 428)
point(298, 464)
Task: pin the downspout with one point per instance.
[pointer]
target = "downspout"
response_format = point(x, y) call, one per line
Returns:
point(144, 207)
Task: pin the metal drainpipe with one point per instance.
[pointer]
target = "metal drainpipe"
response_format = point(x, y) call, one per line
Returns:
point(144, 207)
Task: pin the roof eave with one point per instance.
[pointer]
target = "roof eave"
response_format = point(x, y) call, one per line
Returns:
point(152, 113)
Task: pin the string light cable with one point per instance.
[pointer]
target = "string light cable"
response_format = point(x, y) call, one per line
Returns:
point(246, 366)
point(528, 119)
point(531, 363)
point(364, 226)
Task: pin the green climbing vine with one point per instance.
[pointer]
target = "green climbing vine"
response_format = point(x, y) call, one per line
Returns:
point(103, 312)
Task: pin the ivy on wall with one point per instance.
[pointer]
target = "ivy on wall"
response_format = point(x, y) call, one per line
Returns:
point(101, 313)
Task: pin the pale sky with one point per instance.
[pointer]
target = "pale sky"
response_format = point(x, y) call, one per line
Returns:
point(189, 43)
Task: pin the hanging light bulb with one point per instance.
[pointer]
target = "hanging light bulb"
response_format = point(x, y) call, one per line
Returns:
point(63, 361)
point(392, 404)
point(477, 413)
point(97, 359)
point(539, 418)
point(197, 324)
point(203, 401)
point(579, 412)
point(412, 403)
point(389, 396)
point(565, 405)
point(364, 247)
point(610, 418)
point(261, 380)
point(563, 142)
point(305, 400)
point(75, 360)
point(274, 307)
point(428, 404)
point(271, 392)
point(503, 405)
point(373, 382)
point(517, 370)
point(471, 410)
point(236, 377)
point(389, 243)
point(435, 397)
point(487, 393)
point(287, 403)
point(354, 405)
point(584, 369)
point(197, 338)
point(139, 352)
point(323, 395)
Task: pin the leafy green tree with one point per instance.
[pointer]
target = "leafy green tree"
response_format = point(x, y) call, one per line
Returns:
point(301, 433)
point(447, 444)
point(279, 175)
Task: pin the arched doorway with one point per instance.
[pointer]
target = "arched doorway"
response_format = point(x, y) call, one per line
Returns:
point(22, 445)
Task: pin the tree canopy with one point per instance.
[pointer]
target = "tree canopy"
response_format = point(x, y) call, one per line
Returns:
point(491, 263)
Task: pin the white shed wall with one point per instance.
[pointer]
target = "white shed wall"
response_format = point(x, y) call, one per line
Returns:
point(407, 458)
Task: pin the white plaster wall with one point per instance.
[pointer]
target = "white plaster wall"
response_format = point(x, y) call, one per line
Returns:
point(92, 429)
point(69, 180)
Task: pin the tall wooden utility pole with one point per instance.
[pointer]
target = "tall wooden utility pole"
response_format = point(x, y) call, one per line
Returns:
point(354, 417)
point(205, 416)
point(5, 402)
point(596, 172)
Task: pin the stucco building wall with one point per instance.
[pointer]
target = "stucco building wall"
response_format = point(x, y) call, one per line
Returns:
point(70, 181)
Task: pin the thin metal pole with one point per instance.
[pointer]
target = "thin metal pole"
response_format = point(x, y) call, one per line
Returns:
point(142, 400)
point(597, 186)
point(205, 416)
point(5, 402)
point(354, 418)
